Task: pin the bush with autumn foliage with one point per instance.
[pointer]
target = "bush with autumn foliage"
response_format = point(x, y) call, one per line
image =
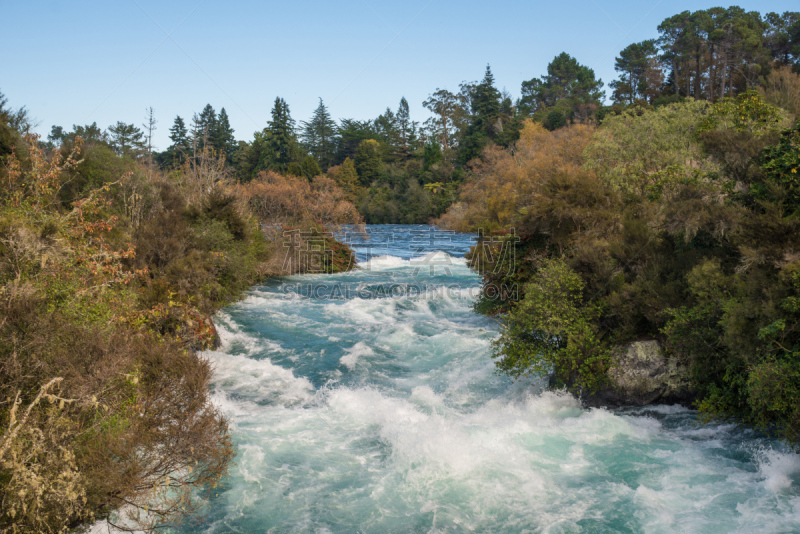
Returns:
point(679, 223)
point(109, 271)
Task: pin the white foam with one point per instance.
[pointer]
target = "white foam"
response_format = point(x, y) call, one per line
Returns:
point(257, 381)
point(778, 469)
point(354, 353)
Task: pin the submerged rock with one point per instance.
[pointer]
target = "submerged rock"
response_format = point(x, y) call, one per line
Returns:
point(642, 374)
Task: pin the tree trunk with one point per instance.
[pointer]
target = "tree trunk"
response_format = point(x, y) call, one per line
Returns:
point(698, 74)
point(675, 72)
point(712, 76)
point(688, 79)
point(724, 73)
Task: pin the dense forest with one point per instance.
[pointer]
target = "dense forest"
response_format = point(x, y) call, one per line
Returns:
point(675, 217)
point(671, 213)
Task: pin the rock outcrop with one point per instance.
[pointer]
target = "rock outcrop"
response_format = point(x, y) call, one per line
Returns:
point(642, 374)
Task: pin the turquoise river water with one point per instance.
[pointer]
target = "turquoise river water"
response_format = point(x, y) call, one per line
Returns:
point(368, 402)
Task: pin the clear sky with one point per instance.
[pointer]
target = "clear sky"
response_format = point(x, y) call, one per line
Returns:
point(83, 61)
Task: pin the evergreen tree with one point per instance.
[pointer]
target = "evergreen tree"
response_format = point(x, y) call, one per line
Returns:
point(351, 133)
point(282, 138)
point(90, 133)
point(319, 136)
point(403, 118)
point(567, 83)
point(179, 136)
point(206, 127)
point(368, 161)
point(486, 122)
point(56, 136)
point(779, 35)
point(632, 64)
point(127, 139)
point(196, 135)
point(387, 132)
point(222, 139)
point(309, 167)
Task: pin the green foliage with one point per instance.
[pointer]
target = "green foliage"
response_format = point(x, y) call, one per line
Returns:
point(282, 136)
point(309, 167)
point(634, 63)
point(368, 161)
point(688, 235)
point(748, 112)
point(488, 124)
point(555, 119)
point(632, 150)
point(781, 166)
point(567, 85)
point(126, 139)
point(318, 134)
point(552, 330)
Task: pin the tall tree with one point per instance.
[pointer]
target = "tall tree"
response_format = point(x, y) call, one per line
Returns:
point(222, 138)
point(281, 135)
point(179, 136)
point(486, 122)
point(632, 64)
point(319, 136)
point(403, 118)
point(149, 127)
point(779, 35)
point(127, 139)
point(350, 134)
point(567, 83)
point(56, 136)
point(674, 43)
point(387, 132)
point(196, 135)
point(206, 126)
point(446, 108)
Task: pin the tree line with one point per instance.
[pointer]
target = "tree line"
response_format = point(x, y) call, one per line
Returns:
point(409, 171)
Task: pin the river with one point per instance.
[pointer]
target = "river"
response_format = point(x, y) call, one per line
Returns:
point(367, 402)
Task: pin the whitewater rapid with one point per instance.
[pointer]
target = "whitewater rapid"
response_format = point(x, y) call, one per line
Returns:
point(367, 402)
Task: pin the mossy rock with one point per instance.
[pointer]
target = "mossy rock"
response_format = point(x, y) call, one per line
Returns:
point(641, 374)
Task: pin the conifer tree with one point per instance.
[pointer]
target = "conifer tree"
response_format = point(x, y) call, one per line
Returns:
point(486, 108)
point(403, 120)
point(126, 139)
point(206, 125)
point(282, 138)
point(179, 136)
point(319, 136)
point(222, 138)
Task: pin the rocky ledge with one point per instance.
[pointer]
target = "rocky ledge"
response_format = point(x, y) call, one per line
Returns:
point(642, 374)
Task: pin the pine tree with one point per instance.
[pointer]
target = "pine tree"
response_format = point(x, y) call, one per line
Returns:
point(486, 122)
point(222, 139)
point(207, 124)
point(319, 136)
point(179, 136)
point(282, 138)
point(386, 129)
point(403, 118)
point(632, 64)
point(126, 139)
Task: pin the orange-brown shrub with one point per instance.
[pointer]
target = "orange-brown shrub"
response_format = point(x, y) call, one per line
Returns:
point(288, 200)
point(507, 181)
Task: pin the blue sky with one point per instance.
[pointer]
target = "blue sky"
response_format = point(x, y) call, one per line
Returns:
point(79, 62)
